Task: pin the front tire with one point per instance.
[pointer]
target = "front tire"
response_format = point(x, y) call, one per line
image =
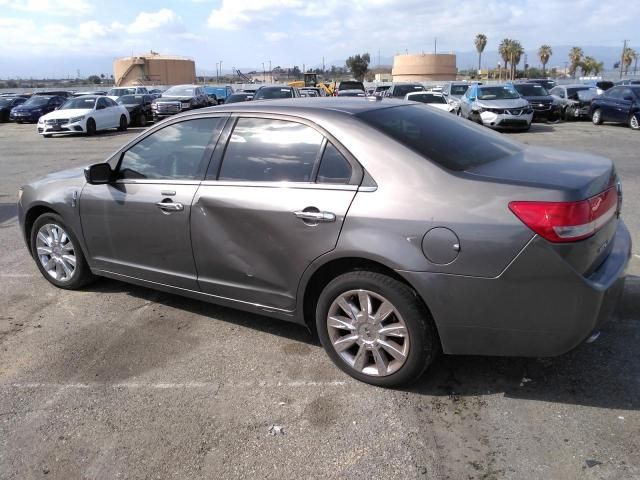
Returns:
point(57, 253)
point(596, 118)
point(634, 121)
point(123, 124)
point(46, 135)
point(376, 329)
point(91, 127)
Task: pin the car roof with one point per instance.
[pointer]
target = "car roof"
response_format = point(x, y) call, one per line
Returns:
point(307, 106)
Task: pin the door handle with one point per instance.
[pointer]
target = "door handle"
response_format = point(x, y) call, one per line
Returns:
point(313, 216)
point(170, 206)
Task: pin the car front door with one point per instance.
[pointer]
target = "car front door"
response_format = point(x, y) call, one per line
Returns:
point(272, 205)
point(138, 225)
point(625, 103)
point(101, 114)
point(113, 113)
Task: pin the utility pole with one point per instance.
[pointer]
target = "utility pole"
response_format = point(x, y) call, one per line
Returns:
point(217, 76)
point(624, 49)
point(220, 69)
point(323, 69)
point(264, 74)
point(435, 45)
point(270, 72)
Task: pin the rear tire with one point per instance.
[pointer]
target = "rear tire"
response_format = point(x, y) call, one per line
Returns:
point(634, 121)
point(46, 246)
point(91, 127)
point(46, 135)
point(596, 118)
point(123, 124)
point(391, 349)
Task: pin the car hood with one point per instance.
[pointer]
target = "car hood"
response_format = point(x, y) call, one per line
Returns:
point(510, 103)
point(66, 176)
point(173, 99)
point(67, 113)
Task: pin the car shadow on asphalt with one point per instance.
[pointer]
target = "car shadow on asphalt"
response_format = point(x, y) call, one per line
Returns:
point(604, 374)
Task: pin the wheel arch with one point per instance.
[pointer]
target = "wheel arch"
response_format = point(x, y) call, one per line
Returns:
point(30, 218)
point(314, 282)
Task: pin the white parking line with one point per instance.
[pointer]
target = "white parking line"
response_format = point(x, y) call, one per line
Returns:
point(169, 386)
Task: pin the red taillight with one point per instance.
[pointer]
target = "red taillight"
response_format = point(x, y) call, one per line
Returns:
point(568, 221)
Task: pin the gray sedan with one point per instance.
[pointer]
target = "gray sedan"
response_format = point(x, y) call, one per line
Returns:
point(393, 230)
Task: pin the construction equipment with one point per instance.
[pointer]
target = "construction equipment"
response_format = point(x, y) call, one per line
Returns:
point(311, 80)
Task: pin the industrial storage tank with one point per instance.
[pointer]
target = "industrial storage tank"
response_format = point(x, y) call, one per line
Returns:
point(424, 67)
point(154, 69)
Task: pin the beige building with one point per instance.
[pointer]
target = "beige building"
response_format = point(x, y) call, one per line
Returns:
point(424, 67)
point(154, 69)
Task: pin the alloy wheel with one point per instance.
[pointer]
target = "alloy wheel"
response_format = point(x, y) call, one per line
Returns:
point(56, 252)
point(368, 333)
point(634, 123)
point(596, 117)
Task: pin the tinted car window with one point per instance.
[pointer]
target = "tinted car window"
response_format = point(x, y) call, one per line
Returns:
point(334, 168)
point(437, 137)
point(273, 92)
point(459, 89)
point(427, 98)
point(102, 103)
point(351, 85)
point(175, 152)
point(531, 90)
point(402, 90)
point(264, 150)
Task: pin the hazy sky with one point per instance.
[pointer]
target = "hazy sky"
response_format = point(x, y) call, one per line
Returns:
point(58, 36)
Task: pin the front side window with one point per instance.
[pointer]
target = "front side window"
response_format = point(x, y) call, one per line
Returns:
point(266, 150)
point(176, 152)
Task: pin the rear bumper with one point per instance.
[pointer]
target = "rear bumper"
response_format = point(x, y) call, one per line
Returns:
point(539, 306)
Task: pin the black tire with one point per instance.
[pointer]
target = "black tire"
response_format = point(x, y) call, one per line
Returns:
point(46, 135)
point(634, 121)
point(123, 124)
point(82, 274)
point(596, 117)
point(141, 120)
point(569, 114)
point(423, 339)
point(5, 117)
point(91, 127)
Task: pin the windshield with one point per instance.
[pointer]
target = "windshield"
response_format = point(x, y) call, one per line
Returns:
point(275, 92)
point(216, 90)
point(131, 99)
point(573, 92)
point(118, 92)
point(427, 98)
point(587, 94)
point(459, 90)
point(5, 102)
point(531, 90)
point(402, 90)
point(636, 90)
point(36, 101)
point(84, 103)
point(179, 92)
point(505, 92)
point(437, 137)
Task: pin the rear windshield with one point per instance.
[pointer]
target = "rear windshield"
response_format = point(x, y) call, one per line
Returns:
point(273, 92)
point(440, 137)
point(427, 98)
point(459, 90)
point(131, 99)
point(351, 86)
point(531, 90)
point(402, 90)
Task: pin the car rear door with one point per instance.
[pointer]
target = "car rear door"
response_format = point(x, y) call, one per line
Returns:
point(270, 205)
point(138, 225)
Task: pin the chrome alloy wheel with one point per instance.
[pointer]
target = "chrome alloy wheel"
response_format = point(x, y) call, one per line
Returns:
point(634, 123)
point(596, 117)
point(368, 333)
point(56, 252)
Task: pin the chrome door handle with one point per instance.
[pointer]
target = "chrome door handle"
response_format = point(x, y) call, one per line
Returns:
point(170, 206)
point(315, 216)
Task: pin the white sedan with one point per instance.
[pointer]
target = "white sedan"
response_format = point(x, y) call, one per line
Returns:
point(85, 114)
point(434, 99)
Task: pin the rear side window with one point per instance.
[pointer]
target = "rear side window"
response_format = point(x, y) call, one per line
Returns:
point(266, 150)
point(446, 141)
point(334, 168)
point(175, 152)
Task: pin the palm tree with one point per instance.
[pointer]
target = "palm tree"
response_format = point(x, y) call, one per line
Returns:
point(516, 54)
point(628, 56)
point(575, 57)
point(544, 53)
point(481, 42)
point(587, 65)
point(504, 50)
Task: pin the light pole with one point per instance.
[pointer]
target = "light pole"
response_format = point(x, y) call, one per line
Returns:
point(270, 72)
point(217, 77)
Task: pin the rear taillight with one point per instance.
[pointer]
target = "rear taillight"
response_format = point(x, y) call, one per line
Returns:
point(568, 221)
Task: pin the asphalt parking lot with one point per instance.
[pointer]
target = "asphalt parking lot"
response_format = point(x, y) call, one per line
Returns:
point(119, 381)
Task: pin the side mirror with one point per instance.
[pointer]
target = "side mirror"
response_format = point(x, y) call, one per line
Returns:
point(98, 174)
